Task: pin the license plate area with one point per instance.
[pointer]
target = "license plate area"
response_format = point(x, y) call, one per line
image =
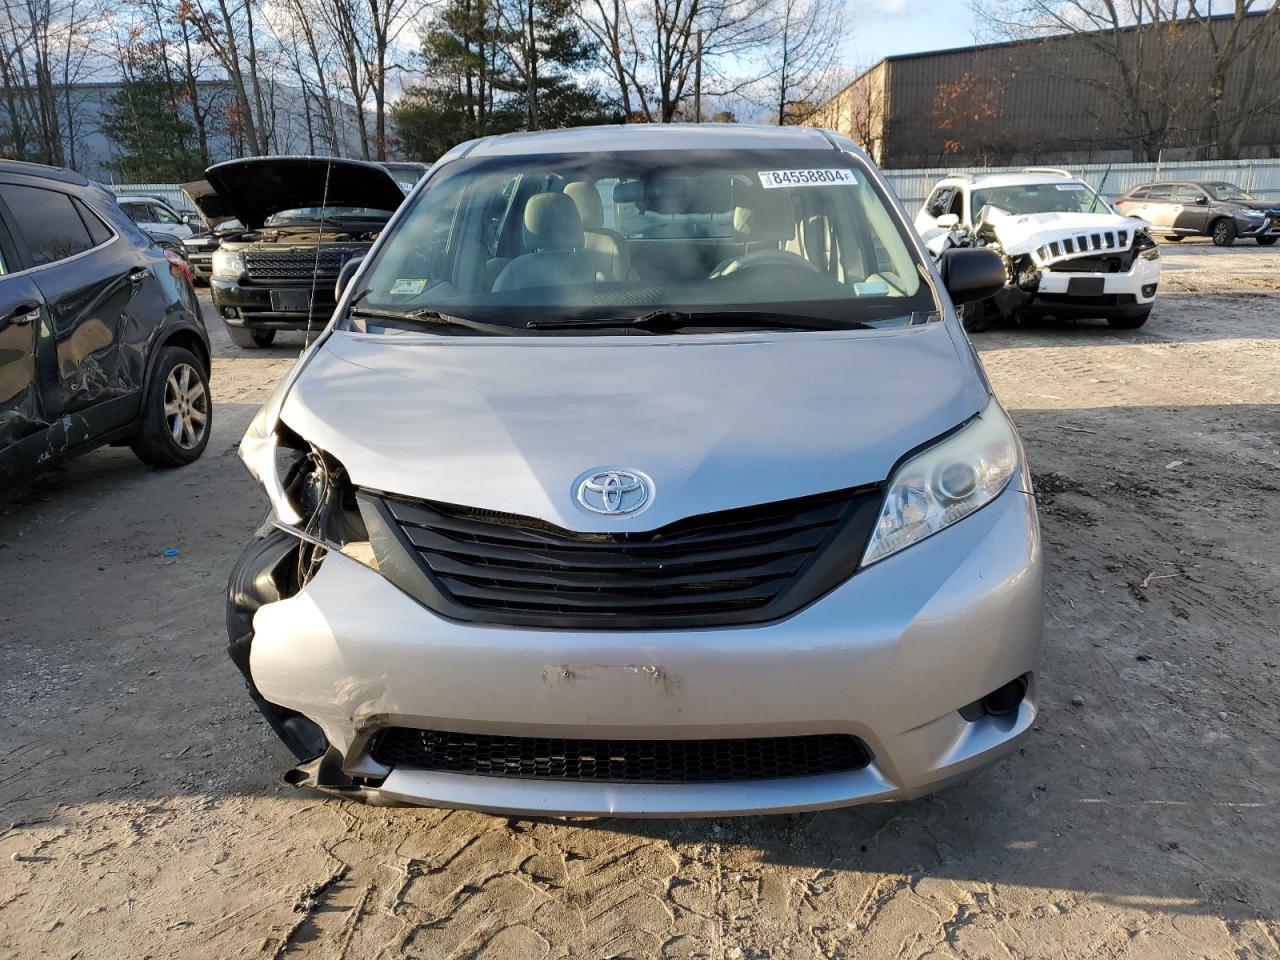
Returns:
point(1086, 286)
point(291, 301)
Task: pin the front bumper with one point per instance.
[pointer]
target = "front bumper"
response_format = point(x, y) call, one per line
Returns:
point(1121, 294)
point(242, 304)
point(1258, 228)
point(890, 657)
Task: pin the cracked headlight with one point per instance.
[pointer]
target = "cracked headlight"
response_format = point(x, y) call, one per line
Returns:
point(228, 264)
point(945, 483)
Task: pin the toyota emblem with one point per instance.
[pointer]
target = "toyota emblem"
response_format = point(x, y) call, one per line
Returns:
point(614, 493)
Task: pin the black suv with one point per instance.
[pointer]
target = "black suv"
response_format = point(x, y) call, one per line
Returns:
point(1203, 208)
point(302, 219)
point(101, 338)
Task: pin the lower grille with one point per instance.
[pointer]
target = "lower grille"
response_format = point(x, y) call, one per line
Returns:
point(293, 266)
point(1107, 263)
point(622, 761)
point(737, 566)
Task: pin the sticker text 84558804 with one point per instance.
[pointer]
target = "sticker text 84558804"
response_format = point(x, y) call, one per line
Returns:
point(829, 177)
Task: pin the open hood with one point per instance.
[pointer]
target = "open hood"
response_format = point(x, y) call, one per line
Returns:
point(252, 189)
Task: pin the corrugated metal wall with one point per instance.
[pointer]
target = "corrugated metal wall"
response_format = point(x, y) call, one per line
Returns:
point(171, 193)
point(1261, 177)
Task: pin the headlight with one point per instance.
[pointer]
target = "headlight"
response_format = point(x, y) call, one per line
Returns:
point(228, 264)
point(1253, 214)
point(946, 483)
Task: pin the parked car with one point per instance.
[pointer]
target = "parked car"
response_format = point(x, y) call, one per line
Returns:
point(157, 219)
point(1067, 253)
point(199, 248)
point(407, 173)
point(1203, 208)
point(302, 219)
point(101, 338)
point(576, 515)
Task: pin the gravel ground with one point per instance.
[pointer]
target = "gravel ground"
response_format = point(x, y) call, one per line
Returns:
point(141, 815)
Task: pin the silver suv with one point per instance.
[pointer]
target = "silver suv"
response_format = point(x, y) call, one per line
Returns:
point(643, 471)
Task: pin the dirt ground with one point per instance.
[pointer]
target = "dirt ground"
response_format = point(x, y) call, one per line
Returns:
point(142, 818)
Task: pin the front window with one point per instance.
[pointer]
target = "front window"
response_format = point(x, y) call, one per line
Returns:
point(525, 242)
point(1228, 191)
point(1066, 196)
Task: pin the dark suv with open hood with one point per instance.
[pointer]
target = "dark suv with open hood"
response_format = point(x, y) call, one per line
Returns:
point(302, 218)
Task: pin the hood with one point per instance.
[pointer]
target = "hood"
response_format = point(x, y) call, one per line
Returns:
point(716, 421)
point(1074, 234)
point(252, 189)
point(1266, 206)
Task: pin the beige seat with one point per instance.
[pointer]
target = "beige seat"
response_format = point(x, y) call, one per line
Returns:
point(554, 238)
point(607, 247)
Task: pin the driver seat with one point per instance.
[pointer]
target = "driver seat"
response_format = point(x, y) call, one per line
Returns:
point(553, 235)
point(762, 220)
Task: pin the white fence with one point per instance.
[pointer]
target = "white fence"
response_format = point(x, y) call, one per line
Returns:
point(1261, 177)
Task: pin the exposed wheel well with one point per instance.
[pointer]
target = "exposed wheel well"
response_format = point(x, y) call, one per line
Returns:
point(189, 340)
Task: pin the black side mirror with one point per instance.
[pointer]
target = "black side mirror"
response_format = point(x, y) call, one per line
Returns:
point(972, 273)
point(344, 276)
point(1202, 199)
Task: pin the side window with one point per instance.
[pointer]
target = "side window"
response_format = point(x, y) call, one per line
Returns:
point(1160, 193)
point(1140, 194)
point(162, 214)
point(99, 232)
point(137, 211)
point(49, 222)
point(940, 201)
point(957, 204)
point(1186, 194)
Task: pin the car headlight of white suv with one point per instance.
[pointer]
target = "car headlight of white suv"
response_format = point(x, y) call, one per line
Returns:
point(228, 264)
point(945, 483)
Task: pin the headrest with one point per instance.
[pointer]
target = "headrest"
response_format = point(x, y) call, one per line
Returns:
point(763, 216)
point(551, 222)
point(586, 198)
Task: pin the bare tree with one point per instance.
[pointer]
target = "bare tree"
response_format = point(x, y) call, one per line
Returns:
point(224, 29)
point(1246, 44)
point(808, 38)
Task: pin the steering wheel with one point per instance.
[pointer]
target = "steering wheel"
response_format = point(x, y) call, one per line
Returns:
point(763, 258)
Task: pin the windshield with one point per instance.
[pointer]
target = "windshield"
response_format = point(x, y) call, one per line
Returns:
point(521, 241)
point(315, 214)
point(1227, 191)
point(1069, 196)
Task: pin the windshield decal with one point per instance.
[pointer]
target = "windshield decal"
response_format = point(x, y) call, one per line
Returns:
point(408, 287)
point(1069, 186)
point(828, 177)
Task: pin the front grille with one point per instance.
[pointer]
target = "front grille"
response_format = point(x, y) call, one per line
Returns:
point(736, 566)
point(1084, 242)
point(625, 761)
point(293, 266)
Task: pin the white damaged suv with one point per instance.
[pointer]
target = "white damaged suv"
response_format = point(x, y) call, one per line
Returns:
point(1067, 252)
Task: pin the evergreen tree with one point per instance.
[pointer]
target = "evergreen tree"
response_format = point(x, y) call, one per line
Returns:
point(155, 140)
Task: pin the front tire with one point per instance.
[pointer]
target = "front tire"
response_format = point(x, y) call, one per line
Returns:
point(1266, 241)
point(1223, 232)
point(177, 411)
point(1132, 322)
point(974, 317)
point(244, 337)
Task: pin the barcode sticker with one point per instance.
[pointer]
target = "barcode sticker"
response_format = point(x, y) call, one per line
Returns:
point(828, 177)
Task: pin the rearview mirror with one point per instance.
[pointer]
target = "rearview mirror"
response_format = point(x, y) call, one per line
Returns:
point(947, 221)
point(971, 273)
point(344, 276)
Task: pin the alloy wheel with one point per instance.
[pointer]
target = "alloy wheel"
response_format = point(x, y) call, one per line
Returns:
point(186, 406)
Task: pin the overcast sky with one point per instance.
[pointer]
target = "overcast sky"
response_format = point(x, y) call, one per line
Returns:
point(882, 28)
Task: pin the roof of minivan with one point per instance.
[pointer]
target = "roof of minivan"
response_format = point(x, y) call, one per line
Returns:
point(26, 169)
point(1012, 179)
point(653, 136)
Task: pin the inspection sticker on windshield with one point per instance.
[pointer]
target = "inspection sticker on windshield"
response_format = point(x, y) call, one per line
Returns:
point(408, 286)
point(1069, 186)
point(829, 177)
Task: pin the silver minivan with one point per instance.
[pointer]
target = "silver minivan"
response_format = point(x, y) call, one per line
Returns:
point(643, 471)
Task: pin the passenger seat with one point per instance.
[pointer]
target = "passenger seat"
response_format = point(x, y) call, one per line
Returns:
point(607, 247)
point(554, 238)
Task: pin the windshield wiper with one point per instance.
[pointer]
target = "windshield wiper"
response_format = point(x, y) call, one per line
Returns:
point(429, 317)
point(677, 319)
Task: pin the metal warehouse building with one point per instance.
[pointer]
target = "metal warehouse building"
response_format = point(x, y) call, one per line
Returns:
point(1067, 98)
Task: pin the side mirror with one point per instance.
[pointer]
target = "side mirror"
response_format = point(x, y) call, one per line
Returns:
point(1201, 199)
point(947, 221)
point(972, 273)
point(344, 276)
point(187, 219)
